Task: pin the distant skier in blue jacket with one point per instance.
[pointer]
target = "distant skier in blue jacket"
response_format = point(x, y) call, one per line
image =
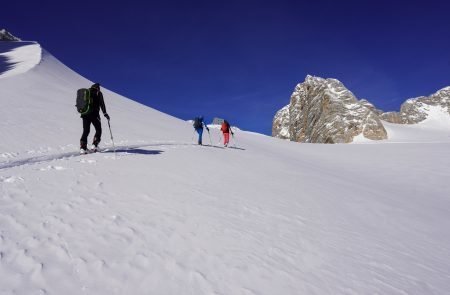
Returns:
point(198, 125)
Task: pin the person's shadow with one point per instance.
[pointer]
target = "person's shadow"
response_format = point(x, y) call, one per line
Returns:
point(135, 151)
point(236, 148)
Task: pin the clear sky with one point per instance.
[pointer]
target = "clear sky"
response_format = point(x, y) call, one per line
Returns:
point(241, 60)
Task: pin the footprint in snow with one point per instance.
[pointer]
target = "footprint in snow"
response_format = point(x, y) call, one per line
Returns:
point(11, 179)
point(8, 155)
point(50, 167)
point(88, 161)
point(97, 201)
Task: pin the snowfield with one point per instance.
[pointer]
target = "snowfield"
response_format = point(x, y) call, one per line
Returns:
point(162, 215)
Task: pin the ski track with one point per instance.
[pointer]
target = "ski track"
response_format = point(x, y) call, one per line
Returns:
point(130, 149)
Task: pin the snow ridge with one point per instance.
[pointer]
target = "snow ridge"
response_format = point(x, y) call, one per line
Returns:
point(20, 58)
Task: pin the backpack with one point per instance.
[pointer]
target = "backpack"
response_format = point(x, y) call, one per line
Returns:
point(197, 123)
point(84, 101)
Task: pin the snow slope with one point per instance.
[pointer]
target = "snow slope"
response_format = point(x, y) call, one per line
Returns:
point(434, 129)
point(165, 216)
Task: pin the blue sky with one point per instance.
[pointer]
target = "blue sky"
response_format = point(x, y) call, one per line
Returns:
point(242, 59)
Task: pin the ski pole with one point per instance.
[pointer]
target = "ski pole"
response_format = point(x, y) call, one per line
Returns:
point(112, 139)
point(234, 139)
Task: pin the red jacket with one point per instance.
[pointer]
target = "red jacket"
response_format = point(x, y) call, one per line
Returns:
point(225, 128)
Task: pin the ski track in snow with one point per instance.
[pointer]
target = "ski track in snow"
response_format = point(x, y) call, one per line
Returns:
point(122, 149)
point(10, 179)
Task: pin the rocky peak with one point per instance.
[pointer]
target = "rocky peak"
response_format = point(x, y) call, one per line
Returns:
point(325, 111)
point(414, 110)
point(7, 36)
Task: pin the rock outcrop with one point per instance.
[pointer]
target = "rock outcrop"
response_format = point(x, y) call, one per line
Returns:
point(7, 36)
point(324, 111)
point(280, 125)
point(413, 110)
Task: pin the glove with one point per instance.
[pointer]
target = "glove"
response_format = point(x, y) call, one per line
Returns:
point(106, 116)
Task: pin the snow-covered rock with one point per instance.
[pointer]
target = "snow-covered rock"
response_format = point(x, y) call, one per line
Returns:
point(7, 36)
point(415, 110)
point(370, 106)
point(280, 124)
point(324, 111)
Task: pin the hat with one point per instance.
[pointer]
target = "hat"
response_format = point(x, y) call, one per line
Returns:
point(96, 86)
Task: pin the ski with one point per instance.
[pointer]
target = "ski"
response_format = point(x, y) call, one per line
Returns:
point(89, 151)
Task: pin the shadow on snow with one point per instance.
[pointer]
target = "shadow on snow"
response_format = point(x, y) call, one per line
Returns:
point(135, 151)
point(68, 155)
point(131, 149)
point(236, 148)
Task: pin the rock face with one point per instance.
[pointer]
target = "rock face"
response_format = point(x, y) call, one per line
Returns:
point(413, 110)
point(7, 36)
point(280, 125)
point(324, 111)
point(217, 121)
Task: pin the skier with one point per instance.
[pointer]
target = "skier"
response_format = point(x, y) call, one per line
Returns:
point(94, 118)
point(198, 126)
point(226, 129)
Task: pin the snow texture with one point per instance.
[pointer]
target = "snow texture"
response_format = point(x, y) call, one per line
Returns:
point(163, 215)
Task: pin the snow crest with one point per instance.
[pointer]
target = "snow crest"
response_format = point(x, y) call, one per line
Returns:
point(20, 59)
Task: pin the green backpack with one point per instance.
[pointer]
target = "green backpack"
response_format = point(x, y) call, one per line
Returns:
point(84, 101)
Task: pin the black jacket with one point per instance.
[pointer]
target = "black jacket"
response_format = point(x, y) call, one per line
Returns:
point(97, 102)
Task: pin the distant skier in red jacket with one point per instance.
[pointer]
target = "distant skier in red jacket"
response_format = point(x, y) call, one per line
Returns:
point(226, 129)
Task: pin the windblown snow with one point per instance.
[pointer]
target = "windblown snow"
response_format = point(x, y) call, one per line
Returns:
point(162, 215)
point(20, 59)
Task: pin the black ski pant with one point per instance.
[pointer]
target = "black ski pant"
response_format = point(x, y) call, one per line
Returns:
point(87, 120)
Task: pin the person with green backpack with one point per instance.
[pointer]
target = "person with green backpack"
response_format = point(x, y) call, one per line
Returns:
point(89, 103)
